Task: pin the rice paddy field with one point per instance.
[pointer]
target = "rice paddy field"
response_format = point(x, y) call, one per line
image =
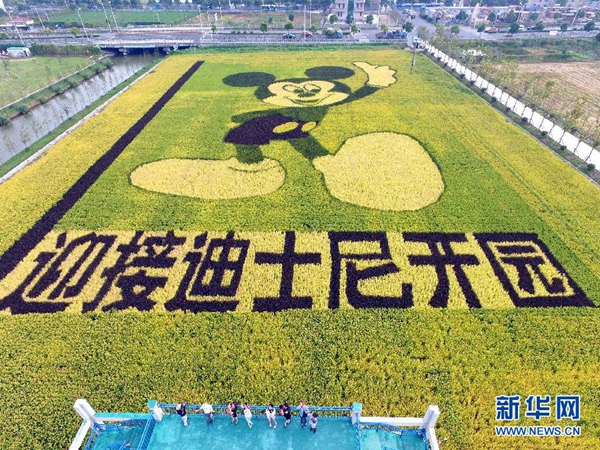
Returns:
point(123, 18)
point(301, 225)
point(573, 79)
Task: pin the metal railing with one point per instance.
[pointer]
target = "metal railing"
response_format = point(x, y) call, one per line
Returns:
point(418, 432)
point(117, 427)
point(147, 434)
point(325, 411)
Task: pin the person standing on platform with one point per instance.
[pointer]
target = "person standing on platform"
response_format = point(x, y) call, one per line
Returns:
point(232, 411)
point(180, 408)
point(271, 415)
point(248, 414)
point(208, 413)
point(287, 413)
point(313, 422)
point(303, 412)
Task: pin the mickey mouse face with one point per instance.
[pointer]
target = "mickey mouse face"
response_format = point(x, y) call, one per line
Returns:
point(302, 94)
point(321, 88)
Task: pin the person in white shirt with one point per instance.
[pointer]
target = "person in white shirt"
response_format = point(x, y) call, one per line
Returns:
point(248, 414)
point(271, 415)
point(208, 413)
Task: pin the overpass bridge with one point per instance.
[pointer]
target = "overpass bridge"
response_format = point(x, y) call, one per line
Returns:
point(167, 45)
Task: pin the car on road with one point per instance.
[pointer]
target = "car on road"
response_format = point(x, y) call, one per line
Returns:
point(306, 34)
point(508, 35)
point(288, 36)
point(491, 30)
point(331, 33)
point(392, 34)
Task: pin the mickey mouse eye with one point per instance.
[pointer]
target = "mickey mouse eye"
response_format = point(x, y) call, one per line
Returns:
point(313, 88)
point(293, 88)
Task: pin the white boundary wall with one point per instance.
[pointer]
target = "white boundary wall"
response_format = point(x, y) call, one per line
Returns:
point(427, 423)
point(555, 132)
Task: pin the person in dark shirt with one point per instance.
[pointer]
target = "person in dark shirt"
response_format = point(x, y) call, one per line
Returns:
point(180, 408)
point(287, 413)
point(313, 422)
point(232, 411)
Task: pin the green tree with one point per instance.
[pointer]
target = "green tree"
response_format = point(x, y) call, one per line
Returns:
point(580, 14)
point(423, 33)
point(540, 26)
point(589, 26)
point(313, 29)
point(75, 31)
point(534, 17)
point(455, 29)
point(513, 28)
point(369, 19)
point(481, 29)
point(461, 16)
point(511, 17)
point(409, 26)
point(288, 26)
point(264, 27)
point(564, 26)
point(492, 17)
point(270, 21)
point(384, 27)
point(333, 19)
point(354, 29)
point(291, 17)
point(349, 19)
point(213, 29)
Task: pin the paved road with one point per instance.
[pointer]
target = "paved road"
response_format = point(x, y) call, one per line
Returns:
point(62, 37)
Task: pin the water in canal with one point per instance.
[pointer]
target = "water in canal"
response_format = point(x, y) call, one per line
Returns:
point(26, 129)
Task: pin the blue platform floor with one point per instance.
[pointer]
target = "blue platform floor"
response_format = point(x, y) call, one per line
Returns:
point(170, 434)
point(332, 434)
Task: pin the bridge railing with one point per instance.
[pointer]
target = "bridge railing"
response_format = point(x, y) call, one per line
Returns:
point(221, 410)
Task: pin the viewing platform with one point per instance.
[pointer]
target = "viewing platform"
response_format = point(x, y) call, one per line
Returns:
point(339, 428)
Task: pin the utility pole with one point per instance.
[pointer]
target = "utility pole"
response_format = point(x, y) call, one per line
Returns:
point(106, 17)
point(39, 17)
point(113, 15)
point(16, 29)
point(82, 25)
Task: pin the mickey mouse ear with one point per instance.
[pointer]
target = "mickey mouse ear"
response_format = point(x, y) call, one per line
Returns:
point(329, 73)
point(249, 79)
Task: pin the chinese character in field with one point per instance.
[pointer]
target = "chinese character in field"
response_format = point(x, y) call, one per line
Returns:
point(345, 256)
point(131, 273)
point(507, 407)
point(216, 273)
point(537, 406)
point(288, 260)
point(443, 258)
point(60, 274)
point(567, 407)
point(529, 272)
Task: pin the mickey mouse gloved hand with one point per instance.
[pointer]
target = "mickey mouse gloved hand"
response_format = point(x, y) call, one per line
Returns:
point(379, 76)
